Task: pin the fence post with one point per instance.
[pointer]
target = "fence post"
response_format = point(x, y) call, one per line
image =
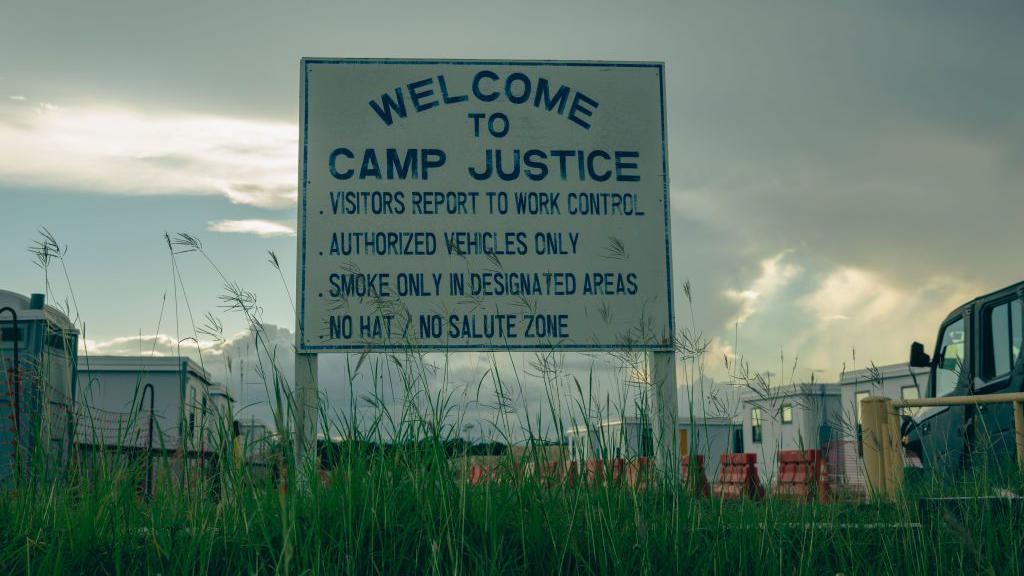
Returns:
point(893, 449)
point(871, 445)
point(883, 458)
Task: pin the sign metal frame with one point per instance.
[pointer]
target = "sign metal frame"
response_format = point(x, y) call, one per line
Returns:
point(652, 345)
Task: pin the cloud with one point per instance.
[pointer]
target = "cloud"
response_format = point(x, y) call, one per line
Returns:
point(148, 345)
point(264, 228)
point(775, 274)
point(16, 98)
point(531, 389)
point(849, 293)
point(118, 150)
point(873, 317)
point(844, 317)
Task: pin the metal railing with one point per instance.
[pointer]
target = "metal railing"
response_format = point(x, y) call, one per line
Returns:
point(883, 446)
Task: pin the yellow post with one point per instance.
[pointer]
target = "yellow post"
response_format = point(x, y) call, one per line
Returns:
point(1018, 426)
point(893, 450)
point(872, 411)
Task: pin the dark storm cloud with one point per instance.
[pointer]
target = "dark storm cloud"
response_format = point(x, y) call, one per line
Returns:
point(842, 174)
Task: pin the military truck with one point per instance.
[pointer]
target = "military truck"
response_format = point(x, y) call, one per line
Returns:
point(978, 351)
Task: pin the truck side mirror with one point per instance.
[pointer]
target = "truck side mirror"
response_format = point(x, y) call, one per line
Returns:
point(918, 357)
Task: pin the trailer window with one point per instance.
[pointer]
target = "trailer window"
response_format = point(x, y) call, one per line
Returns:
point(950, 358)
point(755, 425)
point(786, 413)
point(997, 348)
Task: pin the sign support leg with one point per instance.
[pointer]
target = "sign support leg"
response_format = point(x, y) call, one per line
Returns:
point(306, 406)
point(665, 414)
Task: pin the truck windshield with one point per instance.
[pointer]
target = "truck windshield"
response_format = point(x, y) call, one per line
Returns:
point(950, 358)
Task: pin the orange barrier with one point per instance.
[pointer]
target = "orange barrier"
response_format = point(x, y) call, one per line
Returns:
point(738, 478)
point(694, 478)
point(803, 476)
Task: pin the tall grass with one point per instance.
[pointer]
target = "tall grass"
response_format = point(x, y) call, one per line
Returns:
point(394, 498)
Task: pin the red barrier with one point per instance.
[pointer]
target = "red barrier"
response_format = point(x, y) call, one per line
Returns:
point(480, 473)
point(803, 476)
point(559, 473)
point(694, 478)
point(639, 472)
point(636, 472)
point(738, 478)
point(601, 472)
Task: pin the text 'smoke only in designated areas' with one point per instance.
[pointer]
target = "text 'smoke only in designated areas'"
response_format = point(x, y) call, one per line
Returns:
point(483, 205)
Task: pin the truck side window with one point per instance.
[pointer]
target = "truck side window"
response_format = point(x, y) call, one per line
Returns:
point(950, 358)
point(997, 352)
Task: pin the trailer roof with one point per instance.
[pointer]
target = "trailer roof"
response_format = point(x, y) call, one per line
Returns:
point(887, 371)
point(20, 304)
point(792, 390)
point(142, 364)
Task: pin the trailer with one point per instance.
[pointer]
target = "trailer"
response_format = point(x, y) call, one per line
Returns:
point(38, 362)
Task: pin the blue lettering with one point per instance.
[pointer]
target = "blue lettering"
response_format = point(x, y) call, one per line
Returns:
point(488, 167)
point(590, 166)
point(395, 165)
point(418, 95)
point(432, 158)
point(544, 95)
point(334, 158)
point(387, 105)
point(370, 166)
point(522, 79)
point(535, 170)
point(580, 101)
point(476, 86)
point(621, 166)
point(444, 92)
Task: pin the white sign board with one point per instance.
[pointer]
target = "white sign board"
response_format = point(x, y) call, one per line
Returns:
point(479, 205)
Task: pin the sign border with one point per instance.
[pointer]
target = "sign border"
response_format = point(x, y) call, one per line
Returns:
point(305, 64)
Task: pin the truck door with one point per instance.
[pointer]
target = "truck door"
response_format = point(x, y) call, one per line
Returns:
point(1000, 335)
point(942, 428)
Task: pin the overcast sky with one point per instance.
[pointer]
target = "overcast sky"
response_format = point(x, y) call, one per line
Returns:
point(842, 174)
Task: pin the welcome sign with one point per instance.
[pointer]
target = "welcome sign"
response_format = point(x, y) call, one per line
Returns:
point(483, 205)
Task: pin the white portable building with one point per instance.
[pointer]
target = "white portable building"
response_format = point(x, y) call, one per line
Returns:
point(794, 417)
point(115, 406)
point(632, 438)
point(897, 381)
point(37, 391)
